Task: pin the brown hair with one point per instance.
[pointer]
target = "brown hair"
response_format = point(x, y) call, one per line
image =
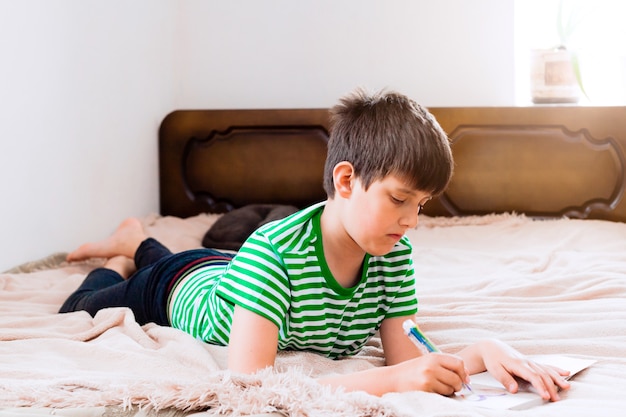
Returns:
point(388, 133)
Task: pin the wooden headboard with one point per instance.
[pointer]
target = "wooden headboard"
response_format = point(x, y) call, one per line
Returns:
point(540, 161)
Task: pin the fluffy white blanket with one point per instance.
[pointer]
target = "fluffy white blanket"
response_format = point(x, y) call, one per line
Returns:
point(555, 286)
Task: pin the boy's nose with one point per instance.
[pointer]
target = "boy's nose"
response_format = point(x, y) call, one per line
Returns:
point(410, 220)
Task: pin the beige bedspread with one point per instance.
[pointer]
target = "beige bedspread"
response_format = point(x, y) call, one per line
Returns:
point(554, 286)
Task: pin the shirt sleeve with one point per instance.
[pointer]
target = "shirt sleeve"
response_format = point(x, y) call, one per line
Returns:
point(257, 280)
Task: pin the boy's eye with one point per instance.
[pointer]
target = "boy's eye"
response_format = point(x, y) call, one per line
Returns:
point(396, 200)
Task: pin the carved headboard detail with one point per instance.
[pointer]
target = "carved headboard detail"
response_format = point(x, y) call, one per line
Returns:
point(543, 161)
point(574, 163)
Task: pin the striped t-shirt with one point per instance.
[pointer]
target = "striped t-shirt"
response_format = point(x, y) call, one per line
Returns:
point(281, 274)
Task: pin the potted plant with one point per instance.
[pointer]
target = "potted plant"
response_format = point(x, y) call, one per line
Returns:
point(555, 72)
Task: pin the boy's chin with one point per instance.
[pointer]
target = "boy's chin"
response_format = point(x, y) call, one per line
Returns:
point(379, 251)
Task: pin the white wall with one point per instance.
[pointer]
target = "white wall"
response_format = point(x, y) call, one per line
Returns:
point(84, 85)
point(283, 53)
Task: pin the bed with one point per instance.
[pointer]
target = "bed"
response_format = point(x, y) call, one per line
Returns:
point(528, 245)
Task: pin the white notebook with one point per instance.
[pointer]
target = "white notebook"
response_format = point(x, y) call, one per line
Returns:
point(489, 393)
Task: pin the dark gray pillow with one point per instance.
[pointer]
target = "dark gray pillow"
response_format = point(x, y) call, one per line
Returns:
point(233, 228)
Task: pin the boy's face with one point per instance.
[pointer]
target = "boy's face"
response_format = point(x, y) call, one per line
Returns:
point(379, 217)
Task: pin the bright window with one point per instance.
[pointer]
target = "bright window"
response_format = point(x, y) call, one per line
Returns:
point(598, 39)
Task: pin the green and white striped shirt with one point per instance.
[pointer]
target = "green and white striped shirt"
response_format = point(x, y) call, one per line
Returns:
point(281, 274)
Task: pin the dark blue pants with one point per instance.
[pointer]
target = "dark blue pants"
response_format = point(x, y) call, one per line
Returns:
point(147, 290)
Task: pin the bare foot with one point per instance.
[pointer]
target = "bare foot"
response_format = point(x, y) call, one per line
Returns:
point(122, 265)
point(124, 241)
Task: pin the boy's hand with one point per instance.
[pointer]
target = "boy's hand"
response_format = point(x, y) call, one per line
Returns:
point(505, 363)
point(435, 372)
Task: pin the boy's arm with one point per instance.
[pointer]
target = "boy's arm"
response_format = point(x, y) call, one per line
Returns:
point(500, 359)
point(378, 381)
point(253, 342)
point(397, 346)
point(435, 372)
point(407, 369)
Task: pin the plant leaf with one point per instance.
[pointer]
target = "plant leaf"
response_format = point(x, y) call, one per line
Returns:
point(577, 74)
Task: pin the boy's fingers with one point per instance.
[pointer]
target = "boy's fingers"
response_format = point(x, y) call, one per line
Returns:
point(506, 379)
point(456, 375)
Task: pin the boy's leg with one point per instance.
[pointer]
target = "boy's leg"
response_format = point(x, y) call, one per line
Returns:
point(146, 291)
point(149, 252)
point(114, 285)
point(121, 284)
point(124, 241)
point(115, 271)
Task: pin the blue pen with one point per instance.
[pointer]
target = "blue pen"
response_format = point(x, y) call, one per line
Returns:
point(422, 342)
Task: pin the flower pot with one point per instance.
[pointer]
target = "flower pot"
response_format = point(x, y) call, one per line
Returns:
point(552, 77)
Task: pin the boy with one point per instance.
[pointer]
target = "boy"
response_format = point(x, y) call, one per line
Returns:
point(324, 279)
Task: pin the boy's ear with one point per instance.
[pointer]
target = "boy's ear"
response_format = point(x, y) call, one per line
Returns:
point(343, 178)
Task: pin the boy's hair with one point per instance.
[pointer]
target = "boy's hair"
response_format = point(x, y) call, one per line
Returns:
point(387, 133)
